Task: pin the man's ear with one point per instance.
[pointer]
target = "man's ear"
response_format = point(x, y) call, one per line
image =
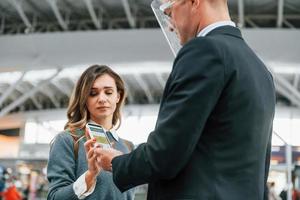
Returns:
point(196, 3)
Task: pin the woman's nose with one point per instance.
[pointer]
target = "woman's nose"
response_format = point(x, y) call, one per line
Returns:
point(102, 98)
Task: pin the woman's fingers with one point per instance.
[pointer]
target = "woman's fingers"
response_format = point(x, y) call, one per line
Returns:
point(89, 144)
point(90, 153)
point(94, 160)
point(92, 157)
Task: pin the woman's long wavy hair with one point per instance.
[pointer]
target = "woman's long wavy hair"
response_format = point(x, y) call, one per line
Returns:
point(77, 113)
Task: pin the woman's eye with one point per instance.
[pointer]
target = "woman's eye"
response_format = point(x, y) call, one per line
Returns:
point(108, 93)
point(93, 94)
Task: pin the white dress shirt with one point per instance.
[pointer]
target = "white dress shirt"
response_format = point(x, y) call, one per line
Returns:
point(213, 26)
point(80, 187)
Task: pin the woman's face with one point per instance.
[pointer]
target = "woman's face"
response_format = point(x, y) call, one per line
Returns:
point(103, 98)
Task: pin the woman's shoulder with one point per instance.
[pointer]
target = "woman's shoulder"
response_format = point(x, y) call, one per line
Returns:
point(68, 138)
point(64, 137)
point(68, 135)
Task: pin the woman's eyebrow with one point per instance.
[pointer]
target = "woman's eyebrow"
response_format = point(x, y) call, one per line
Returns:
point(105, 87)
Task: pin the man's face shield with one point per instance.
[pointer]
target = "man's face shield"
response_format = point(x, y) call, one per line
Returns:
point(159, 7)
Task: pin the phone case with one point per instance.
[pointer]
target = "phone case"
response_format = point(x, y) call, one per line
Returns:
point(98, 132)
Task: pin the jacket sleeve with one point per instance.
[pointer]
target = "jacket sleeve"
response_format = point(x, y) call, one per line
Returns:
point(196, 84)
point(267, 165)
point(268, 155)
point(61, 169)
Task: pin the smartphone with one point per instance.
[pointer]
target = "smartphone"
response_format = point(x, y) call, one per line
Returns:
point(98, 132)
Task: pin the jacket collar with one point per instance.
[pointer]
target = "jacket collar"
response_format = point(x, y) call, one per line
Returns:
point(215, 25)
point(226, 30)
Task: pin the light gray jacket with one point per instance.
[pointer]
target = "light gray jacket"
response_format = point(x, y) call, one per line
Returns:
point(63, 170)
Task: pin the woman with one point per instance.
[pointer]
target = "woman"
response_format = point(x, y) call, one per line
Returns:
point(73, 170)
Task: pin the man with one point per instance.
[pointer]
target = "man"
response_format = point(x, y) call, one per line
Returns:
point(213, 133)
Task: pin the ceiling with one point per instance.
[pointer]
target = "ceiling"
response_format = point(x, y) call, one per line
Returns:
point(27, 16)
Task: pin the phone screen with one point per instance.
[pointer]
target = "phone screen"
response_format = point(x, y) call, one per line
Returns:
point(100, 135)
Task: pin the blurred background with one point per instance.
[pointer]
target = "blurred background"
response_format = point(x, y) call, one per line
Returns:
point(46, 44)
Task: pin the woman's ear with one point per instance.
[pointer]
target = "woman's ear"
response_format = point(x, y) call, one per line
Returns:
point(118, 97)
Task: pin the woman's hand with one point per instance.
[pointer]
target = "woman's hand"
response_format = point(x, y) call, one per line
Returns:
point(94, 167)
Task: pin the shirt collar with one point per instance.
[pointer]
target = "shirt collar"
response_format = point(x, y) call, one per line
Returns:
point(113, 130)
point(213, 26)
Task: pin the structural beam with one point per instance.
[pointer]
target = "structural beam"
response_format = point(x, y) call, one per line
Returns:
point(34, 100)
point(289, 24)
point(292, 7)
point(24, 97)
point(11, 89)
point(249, 21)
point(36, 103)
point(155, 49)
point(18, 6)
point(2, 27)
point(280, 13)
point(272, 16)
point(129, 93)
point(93, 15)
point(61, 21)
point(160, 79)
point(286, 94)
point(296, 81)
point(63, 89)
point(45, 90)
point(241, 13)
point(145, 87)
point(287, 89)
point(128, 13)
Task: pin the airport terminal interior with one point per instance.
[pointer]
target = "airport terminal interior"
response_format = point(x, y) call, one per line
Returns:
point(45, 45)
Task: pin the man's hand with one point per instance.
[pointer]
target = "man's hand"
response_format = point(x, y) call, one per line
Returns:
point(105, 156)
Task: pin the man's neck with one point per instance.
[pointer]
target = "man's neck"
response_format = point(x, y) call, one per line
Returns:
point(210, 14)
point(211, 21)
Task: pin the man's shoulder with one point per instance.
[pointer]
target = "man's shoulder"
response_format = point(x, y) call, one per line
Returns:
point(197, 48)
point(201, 45)
point(196, 58)
point(199, 42)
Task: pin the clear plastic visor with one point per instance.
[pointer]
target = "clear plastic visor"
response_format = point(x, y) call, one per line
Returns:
point(158, 7)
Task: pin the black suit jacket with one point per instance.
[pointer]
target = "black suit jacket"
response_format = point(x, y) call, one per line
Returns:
point(213, 132)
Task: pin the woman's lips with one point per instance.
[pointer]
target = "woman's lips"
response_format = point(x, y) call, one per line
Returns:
point(102, 108)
